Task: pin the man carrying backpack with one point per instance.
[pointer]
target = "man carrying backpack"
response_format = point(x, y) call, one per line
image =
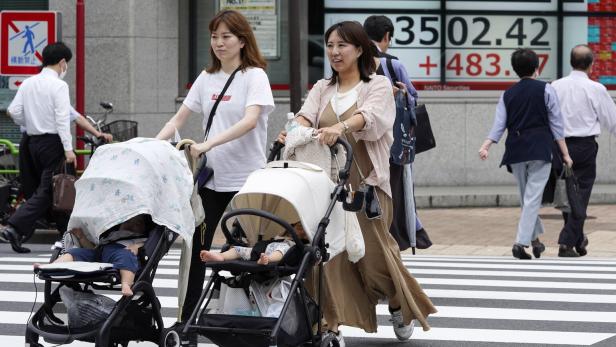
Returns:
point(406, 227)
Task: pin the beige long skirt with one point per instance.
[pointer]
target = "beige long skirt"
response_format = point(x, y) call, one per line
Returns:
point(351, 291)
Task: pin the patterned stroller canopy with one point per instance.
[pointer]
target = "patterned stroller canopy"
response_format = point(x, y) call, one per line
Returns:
point(139, 176)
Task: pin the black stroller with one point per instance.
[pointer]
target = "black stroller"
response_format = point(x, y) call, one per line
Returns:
point(261, 210)
point(122, 180)
point(136, 318)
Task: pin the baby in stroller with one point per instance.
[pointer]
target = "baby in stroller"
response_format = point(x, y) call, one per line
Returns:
point(263, 251)
point(118, 247)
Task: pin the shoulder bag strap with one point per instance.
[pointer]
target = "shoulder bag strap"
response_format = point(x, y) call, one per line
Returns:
point(220, 96)
point(392, 72)
point(394, 77)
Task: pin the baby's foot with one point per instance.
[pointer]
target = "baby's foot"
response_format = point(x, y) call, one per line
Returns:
point(211, 256)
point(36, 265)
point(126, 291)
point(263, 259)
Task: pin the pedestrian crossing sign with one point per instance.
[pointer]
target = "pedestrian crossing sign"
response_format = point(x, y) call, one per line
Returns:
point(23, 35)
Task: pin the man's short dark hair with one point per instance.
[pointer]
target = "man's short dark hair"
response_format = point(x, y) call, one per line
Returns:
point(377, 26)
point(55, 52)
point(581, 57)
point(524, 62)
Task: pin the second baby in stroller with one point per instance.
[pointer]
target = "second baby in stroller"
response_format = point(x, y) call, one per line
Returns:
point(117, 246)
point(263, 251)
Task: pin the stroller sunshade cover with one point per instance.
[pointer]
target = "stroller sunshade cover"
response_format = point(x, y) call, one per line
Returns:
point(299, 192)
point(139, 176)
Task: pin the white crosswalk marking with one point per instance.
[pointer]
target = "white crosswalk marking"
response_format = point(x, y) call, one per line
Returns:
point(480, 300)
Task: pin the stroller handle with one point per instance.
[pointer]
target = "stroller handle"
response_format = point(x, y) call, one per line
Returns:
point(344, 172)
point(263, 214)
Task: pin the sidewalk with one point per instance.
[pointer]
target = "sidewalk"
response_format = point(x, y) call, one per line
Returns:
point(491, 231)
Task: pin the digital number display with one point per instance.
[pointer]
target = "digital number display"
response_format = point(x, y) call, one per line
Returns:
point(478, 47)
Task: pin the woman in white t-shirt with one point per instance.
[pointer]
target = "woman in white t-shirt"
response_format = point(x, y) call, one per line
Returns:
point(236, 142)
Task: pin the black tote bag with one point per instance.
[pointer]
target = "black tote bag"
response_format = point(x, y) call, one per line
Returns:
point(573, 195)
point(423, 131)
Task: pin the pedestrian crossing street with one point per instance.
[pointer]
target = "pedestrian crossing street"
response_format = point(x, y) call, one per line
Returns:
point(482, 301)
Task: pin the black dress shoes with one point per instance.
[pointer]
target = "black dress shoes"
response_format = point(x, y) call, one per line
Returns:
point(581, 249)
point(538, 248)
point(14, 239)
point(567, 252)
point(519, 252)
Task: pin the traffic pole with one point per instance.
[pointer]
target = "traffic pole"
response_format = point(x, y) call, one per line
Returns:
point(80, 71)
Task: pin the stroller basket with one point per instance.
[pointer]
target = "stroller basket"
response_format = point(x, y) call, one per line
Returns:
point(234, 329)
point(122, 130)
point(246, 331)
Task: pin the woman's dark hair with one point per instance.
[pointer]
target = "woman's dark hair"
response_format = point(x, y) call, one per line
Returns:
point(239, 26)
point(581, 57)
point(352, 32)
point(55, 52)
point(524, 62)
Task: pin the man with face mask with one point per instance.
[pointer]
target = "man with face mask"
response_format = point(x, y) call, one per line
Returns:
point(42, 106)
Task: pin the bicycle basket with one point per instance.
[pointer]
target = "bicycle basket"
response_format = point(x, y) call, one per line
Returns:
point(122, 130)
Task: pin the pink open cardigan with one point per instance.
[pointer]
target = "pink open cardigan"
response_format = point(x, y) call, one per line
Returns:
point(376, 104)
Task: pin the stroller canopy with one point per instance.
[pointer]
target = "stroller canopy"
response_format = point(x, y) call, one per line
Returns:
point(299, 192)
point(139, 176)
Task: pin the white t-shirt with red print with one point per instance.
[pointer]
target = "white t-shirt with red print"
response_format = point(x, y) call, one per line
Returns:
point(235, 160)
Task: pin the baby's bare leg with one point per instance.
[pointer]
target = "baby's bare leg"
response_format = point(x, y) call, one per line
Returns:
point(266, 259)
point(127, 278)
point(209, 256)
point(64, 258)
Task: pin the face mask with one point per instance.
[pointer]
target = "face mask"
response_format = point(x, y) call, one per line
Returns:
point(63, 73)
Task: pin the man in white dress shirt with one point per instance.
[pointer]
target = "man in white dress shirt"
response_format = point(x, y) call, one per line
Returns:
point(586, 106)
point(42, 106)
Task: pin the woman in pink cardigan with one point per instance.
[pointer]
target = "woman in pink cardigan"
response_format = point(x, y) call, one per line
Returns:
point(358, 105)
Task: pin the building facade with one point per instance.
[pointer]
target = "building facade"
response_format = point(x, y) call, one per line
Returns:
point(142, 56)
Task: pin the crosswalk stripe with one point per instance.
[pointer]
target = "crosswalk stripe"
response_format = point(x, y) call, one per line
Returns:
point(444, 311)
point(567, 275)
point(172, 283)
point(28, 268)
point(488, 335)
point(19, 341)
point(479, 259)
point(519, 266)
point(415, 272)
point(521, 296)
point(521, 284)
point(21, 318)
point(46, 260)
point(517, 314)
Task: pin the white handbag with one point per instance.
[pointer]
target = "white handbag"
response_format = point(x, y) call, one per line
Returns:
point(270, 296)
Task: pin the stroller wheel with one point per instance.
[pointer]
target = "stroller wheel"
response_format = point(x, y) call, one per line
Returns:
point(170, 338)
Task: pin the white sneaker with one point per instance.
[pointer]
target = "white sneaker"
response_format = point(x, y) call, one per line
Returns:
point(340, 339)
point(403, 332)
